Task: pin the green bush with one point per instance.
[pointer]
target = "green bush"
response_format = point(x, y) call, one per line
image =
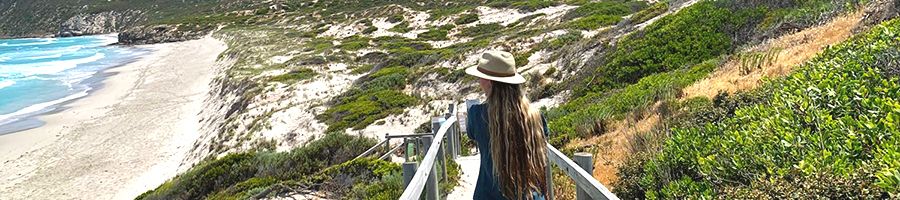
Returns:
point(594, 22)
point(369, 30)
point(590, 114)
point(402, 27)
point(466, 19)
point(480, 30)
point(562, 40)
point(697, 33)
point(295, 75)
point(832, 120)
point(434, 35)
point(654, 10)
point(594, 15)
point(524, 6)
point(395, 18)
point(241, 175)
point(354, 43)
point(378, 97)
point(612, 8)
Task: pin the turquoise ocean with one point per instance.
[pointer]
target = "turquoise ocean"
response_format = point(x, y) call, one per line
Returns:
point(38, 75)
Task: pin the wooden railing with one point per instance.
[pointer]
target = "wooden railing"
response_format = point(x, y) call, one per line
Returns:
point(579, 170)
point(422, 176)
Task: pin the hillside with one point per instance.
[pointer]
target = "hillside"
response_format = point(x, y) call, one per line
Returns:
point(335, 67)
point(676, 99)
point(40, 18)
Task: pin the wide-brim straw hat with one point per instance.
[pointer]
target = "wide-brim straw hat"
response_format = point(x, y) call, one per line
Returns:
point(497, 66)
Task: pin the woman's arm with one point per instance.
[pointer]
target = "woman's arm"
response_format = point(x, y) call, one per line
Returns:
point(470, 128)
point(546, 130)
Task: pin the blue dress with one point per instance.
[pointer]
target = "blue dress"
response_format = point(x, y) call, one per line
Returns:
point(477, 129)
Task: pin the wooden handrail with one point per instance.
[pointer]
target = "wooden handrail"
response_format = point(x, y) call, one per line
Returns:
point(583, 179)
point(370, 150)
point(414, 190)
point(407, 135)
point(390, 152)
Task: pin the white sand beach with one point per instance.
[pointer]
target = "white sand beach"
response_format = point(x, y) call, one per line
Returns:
point(122, 140)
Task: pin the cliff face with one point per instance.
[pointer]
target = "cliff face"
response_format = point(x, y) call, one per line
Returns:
point(159, 34)
point(99, 23)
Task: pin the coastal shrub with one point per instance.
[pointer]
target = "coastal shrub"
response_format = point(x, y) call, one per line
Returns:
point(561, 41)
point(239, 175)
point(594, 15)
point(480, 30)
point(590, 114)
point(829, 129)
point(295, 75)
point(354, 43)
point(395, 18)
point(523, 6)
point(369, 30)
point(402, 27)
point(593, 22)
point(697, 33)
point(654, 10)
point(434, 35)
point(466, 18)
point(377, 97)
point(612, 8)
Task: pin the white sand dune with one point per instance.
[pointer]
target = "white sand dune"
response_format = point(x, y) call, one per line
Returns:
point(120, 141)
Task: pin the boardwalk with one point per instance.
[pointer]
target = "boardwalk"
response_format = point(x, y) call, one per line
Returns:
point(469, 174)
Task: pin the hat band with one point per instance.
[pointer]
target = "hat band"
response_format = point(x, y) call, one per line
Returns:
point(497, 74)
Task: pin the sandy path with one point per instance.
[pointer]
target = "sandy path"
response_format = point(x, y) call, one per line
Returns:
point(123, 139)
point(469, 168)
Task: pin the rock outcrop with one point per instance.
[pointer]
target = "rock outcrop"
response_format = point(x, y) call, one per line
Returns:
point(160, 34)
point(98, 23)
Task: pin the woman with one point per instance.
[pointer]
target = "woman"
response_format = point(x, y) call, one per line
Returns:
point(508, 132)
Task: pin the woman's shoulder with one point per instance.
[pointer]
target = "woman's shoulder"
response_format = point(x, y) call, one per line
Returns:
point(477, 108)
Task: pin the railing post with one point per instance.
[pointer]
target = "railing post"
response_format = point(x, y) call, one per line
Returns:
point(405, 149)
point(452, 143)
point(549, 194)
point(585, 161)
point(431, 185)
point(435, 127)
point(454, 134)
point(409, 170)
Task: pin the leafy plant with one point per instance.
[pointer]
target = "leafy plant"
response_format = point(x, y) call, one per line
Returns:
point(295, 75)
point(466, 18)
point(834, 119)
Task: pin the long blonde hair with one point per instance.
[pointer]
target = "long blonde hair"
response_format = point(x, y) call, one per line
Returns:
point(517, 142)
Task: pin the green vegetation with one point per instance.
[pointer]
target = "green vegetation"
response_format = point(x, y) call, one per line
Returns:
point(694, 34)
point(435, 34)
point(480, 30)
point(402, 27)
point(395, 18)
point(260, 174)
point(377, 97)
point(654, 10)
point(294, 76)
point(354, 43)
point(592, 114)
point(40, 18)
point(524, 6)
point(594, 15)
point(828, 130)
point(466, 19)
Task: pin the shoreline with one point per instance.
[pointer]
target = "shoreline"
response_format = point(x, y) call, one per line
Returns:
point(127, 136)
point(32, 120)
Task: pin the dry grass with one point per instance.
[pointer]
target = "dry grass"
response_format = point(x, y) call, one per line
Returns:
point(614, 147)
point(794, 49)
